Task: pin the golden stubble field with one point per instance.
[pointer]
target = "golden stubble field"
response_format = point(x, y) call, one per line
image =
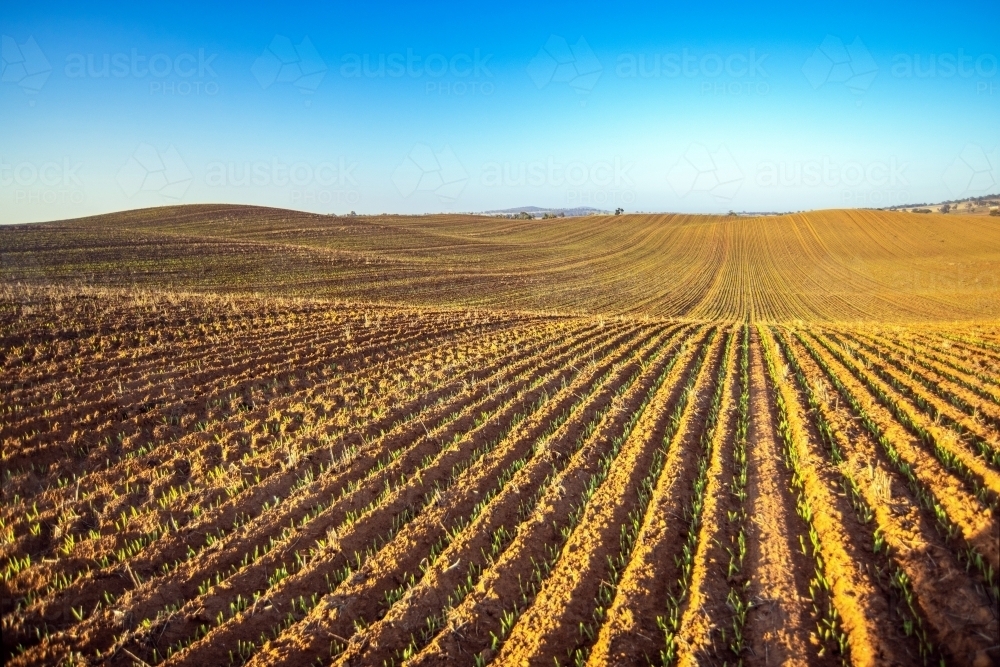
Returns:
point(236, 435)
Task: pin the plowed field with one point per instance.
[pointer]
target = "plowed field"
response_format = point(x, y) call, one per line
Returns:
point(213, 479)
point(819, 266)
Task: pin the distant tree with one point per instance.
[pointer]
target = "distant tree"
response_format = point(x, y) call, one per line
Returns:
point(946, 208)
point(619, 211)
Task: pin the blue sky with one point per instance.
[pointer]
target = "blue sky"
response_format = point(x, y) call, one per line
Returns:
point(401, 108)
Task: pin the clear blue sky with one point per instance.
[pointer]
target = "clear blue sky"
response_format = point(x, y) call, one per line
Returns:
point(452, 107)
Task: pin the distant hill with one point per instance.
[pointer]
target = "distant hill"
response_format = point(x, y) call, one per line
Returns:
point(982, 205)
point(537, 211)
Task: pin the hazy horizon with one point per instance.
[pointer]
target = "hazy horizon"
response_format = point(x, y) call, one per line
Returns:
point(411, 110)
